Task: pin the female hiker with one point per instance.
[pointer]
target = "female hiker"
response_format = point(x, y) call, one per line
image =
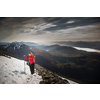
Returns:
point(31, 58)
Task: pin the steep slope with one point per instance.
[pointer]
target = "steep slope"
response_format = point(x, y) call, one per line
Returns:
point(16, 71)
point(49, 77)
point(12, 72)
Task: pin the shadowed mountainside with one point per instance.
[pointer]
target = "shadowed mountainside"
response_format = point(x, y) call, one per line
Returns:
point(66, 61)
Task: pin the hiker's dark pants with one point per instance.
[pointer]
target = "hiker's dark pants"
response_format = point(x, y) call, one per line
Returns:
point(32, 68)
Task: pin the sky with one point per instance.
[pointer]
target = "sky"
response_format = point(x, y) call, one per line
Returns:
point(49, 29)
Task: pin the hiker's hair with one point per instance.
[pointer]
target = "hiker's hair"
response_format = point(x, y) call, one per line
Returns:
point(31, 53)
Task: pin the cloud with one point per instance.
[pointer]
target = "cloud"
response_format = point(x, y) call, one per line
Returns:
point(49, 29)
point(85, 33)
point(44, 26)
point(76, 29)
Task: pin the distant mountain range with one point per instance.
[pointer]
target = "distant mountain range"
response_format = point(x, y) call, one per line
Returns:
point(93, 45)
point(66, 61)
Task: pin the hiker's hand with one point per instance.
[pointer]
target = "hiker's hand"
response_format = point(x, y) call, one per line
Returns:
point(24, 55)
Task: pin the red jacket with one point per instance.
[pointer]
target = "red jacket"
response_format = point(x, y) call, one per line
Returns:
point(31, 59)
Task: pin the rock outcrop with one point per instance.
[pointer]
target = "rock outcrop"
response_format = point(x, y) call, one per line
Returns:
point(49, 77)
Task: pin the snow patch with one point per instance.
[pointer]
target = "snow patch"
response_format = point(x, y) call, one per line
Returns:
point(70, 82)
point(13, 71)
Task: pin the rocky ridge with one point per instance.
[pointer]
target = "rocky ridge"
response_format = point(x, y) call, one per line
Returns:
point(49, 77)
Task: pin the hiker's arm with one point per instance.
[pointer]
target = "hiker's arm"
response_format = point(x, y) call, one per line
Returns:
point(26, 57)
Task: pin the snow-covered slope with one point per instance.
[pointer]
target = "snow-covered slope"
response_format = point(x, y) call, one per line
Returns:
point(12, 72)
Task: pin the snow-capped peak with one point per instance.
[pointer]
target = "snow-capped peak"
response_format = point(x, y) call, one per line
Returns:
point(4, 45)
point(14, 45)
point(17, 45)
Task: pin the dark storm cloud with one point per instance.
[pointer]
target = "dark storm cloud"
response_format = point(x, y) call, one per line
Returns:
point(79, 21)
